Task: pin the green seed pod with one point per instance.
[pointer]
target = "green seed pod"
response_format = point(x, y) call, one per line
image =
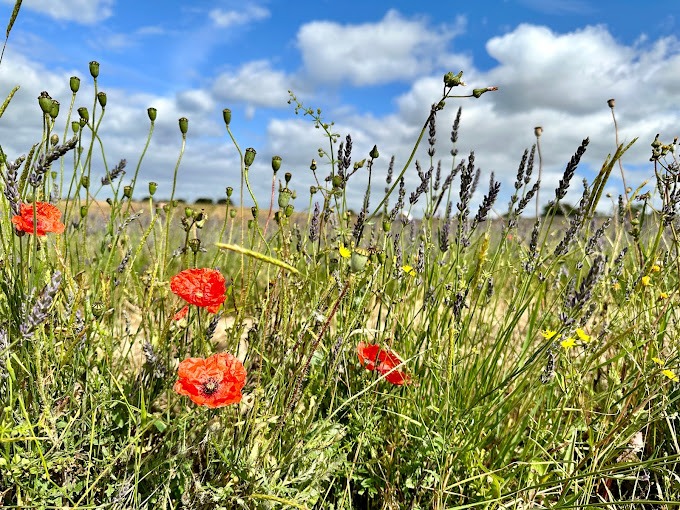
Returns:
point(127, 192)
point(284, 197)
point(189, 212)
point(337, 181)
point(195, 245)
point(358, 260)
point(151, 112)
point(45, 102)
point(74, 83)
point(359, 164)
point(287, 176)
point(85, 181)
point(83, 211)
point(94, 69)
point(381, 257)
point(98, 309)
point(75, 126)
point(232, 214)
point(313, 190)
point(374, 152)
point(82, 111)
point(54, 109)
point(101, 98)
point(288, 211)
point(54, 139)
point(276, 163)
point(254, 210)
point(249, 156)
point(153, 186)
point(251, 224)
point(226, 115)
point(312, 167)
point(183, 125)
point(386, 225)
point(230, 191)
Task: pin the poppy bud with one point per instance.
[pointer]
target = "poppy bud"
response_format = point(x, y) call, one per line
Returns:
point(230, 191)
point(75, 126)
point(226, 115)
point(195, 245)
point(386, 225)
point(287, 176)
point(94, 69)
point(288, 211)
point(82, 111)
point(276, 163)
point(45, 102)
point(54, 139)
point(453, 80)
point(85, 181)
point(312, 167)
point(101, 98)
point(249, 156)
point(183, 125)
point(151, 112)
point(153, 186)
point(358, 260)
point(127, 192)
point(54, 109)
point(374, 152)
point(83, 211)
point(74, 83)
point(284, 197)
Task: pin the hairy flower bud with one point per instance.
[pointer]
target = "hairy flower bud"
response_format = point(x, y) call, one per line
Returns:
point(478, 92)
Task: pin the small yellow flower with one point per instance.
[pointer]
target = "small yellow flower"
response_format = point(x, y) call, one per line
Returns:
point(656, 268)
point(658, 361)
point(671, 375)
point(663, 295)
point(548, 334)
point(408, 270)
point(616, 286)
point(583, 336)
point(568, 343)
point(344, 252)
point(646, 280)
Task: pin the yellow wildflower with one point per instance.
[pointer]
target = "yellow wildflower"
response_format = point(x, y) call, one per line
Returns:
point(663, 295)
point(671, 375)
point(548, 333)
point(568, 343)
point(658, 361)
point(408, 270)
point(344, 252)
point(646, 280)
point(656, 268)
point(583, 336)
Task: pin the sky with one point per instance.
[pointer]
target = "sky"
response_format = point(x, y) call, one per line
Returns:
point(373, 68)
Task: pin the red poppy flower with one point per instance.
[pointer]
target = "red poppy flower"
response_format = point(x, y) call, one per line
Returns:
point(201, 287)
point(212, 382)
point(374, 357)
point(46, 215)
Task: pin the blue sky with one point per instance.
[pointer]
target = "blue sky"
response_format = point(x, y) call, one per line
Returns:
point(373, 67)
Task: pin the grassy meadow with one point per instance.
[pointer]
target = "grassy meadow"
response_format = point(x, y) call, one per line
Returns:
point(157, 354)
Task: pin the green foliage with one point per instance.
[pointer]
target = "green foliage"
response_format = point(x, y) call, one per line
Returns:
point(540, 357)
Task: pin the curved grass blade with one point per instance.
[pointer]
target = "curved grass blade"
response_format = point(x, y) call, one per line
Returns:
point(258, 256)
point(12, 19)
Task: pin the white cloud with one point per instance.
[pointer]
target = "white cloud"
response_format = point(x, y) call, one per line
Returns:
point(255, 84)
point(80, 11)
point(246, 14)
point(394, 48)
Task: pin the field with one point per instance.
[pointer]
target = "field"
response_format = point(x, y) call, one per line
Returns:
point(158, 354)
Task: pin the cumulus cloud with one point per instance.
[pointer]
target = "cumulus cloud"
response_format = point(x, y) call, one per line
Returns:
point(256, 84)
point(394, 48)
point(246, 14)
point(79, 11)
